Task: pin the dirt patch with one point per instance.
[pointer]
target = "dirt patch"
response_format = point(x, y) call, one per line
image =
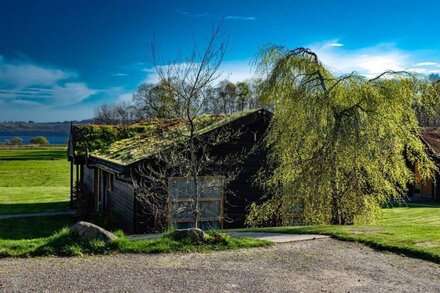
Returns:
point(318, 265)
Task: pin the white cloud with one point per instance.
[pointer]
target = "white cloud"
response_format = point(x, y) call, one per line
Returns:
point(367, 61)
point(238, 17)
point(31, 86)
point(371, 61)
point(416, 70)
point(427, 64)
point(237, 70)
point(125, 98)
point(116, 95)
point(26, 103)
point(119, 74)
point(71, 93)
point(190, 14)
point(333, 43)
point(26, 75)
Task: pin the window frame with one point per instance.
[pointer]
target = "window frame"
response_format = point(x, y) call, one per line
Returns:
point(201, 200)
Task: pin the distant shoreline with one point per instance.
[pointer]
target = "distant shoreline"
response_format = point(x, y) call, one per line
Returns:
point(53, 138)
point(32, 146)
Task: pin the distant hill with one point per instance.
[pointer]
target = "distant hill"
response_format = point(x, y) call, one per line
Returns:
point(30, 127)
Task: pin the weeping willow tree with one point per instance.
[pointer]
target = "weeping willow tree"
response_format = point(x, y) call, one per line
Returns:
point(341, 146)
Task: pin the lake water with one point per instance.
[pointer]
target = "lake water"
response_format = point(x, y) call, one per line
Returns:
point(52, 138)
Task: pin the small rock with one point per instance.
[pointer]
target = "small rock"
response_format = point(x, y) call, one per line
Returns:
point(196, 235)
point(85, 231)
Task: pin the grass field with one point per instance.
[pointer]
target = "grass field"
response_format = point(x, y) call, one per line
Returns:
point(33, 153)
point(33, 180)
point(412, 230)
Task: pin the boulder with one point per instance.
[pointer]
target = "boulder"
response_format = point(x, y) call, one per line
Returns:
point(85, 231)
point(196, 235)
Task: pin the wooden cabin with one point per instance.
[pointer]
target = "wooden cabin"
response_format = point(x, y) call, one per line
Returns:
point(429, 189)
point(103, 159)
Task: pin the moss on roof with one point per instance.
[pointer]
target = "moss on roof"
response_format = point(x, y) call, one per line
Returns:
point(127, 144)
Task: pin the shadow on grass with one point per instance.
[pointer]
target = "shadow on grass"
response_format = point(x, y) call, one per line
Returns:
point(32, 154)
point(415, 203)
point(20, 208)
point(32, 227)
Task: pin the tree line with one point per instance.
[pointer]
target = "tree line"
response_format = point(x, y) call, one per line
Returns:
point(161, 100)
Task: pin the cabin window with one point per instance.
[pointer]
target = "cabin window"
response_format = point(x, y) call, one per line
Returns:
point(209, 195)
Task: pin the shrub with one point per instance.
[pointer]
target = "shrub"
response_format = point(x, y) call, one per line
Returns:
point(17, 140)
point(39, 140)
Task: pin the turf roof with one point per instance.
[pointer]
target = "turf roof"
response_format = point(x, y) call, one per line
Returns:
point(129, 144)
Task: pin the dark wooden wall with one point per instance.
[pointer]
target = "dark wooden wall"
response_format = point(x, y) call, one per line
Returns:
point(243, 190)
point(121, 201)
point(89, 178)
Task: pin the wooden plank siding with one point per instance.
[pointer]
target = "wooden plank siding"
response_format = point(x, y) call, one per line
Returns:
point(243, 191)
point(121, 201)
point(89, 177)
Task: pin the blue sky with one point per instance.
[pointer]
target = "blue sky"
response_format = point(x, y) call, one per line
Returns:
point(60, 59)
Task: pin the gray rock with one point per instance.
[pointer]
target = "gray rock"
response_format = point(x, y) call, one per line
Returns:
point(85, 231)
point(196, 235)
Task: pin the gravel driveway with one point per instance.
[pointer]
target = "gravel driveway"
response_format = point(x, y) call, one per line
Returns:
point(320, 265)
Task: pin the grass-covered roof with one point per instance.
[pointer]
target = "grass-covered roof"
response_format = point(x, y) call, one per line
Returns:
point(127, 144)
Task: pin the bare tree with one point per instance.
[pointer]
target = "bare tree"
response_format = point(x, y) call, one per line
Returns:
point(105, 114)
point(189, 153)
point(165, 184)
point(120, 114)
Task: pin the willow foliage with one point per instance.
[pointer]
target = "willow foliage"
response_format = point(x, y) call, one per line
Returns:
point(341, 146)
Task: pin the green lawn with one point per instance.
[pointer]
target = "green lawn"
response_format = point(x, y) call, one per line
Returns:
point(33, 153)
point(28, 228)
point(38, 183)
point(413, 230)
point(40, 236)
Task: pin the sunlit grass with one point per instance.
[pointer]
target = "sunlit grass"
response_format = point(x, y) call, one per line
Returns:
point(37, 185)
point(412, 230)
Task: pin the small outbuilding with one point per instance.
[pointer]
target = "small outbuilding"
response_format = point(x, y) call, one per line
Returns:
point(104, 159)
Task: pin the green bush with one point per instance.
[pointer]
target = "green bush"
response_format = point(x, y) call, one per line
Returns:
point(39, 140)
point(17, 140)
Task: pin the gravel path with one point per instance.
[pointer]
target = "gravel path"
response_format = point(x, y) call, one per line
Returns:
point(324, 265)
